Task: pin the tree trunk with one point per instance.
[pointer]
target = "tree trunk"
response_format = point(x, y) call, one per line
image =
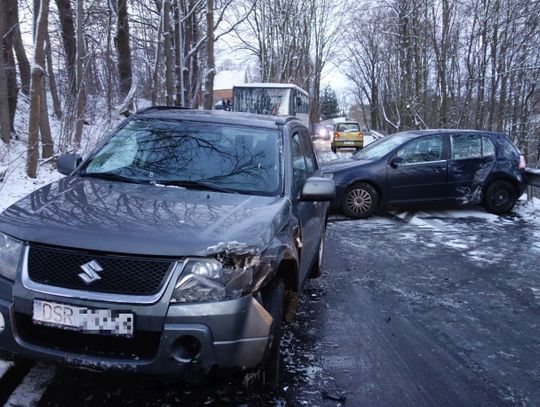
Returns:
point(5, 120)
point(67, 25)
point(20, 52)
point(52, 80)
point(179, 57)
point(210, 61)
point(110, 63)
point(79, 75)
point(41, 10)
point(167, 51)
point(123, 47)
point(157, 58)
point(10, 22)
point(47, 145)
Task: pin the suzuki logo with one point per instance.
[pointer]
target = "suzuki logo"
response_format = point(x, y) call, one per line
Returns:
point(91, 270)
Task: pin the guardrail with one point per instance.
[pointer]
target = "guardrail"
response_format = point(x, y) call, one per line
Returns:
point(533, 181)
point(376, 135)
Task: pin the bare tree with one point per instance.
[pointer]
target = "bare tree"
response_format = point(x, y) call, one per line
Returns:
point(5, 120)
point(41, 13)
point(123, 47)
point(210, 59)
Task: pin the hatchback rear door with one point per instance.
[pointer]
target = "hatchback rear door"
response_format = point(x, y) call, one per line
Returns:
point(472, 160)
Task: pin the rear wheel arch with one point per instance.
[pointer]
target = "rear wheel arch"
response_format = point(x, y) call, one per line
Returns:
point(501, 177)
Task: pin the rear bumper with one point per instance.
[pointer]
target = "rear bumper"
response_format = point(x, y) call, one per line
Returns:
point(189, 339)
point(348, 143)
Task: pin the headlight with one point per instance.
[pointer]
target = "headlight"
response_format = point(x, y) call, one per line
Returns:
point(10, 253)
point(208, 280)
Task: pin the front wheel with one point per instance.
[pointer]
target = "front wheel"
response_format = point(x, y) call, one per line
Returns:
point(360, 201)
point(500, 197)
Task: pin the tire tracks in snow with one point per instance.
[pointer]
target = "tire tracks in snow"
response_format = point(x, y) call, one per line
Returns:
point(23, 383)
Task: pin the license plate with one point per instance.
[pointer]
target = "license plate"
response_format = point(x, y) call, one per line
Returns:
point(349, 143)
point(82, 319)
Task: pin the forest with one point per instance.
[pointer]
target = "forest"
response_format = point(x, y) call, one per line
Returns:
point(69, 65)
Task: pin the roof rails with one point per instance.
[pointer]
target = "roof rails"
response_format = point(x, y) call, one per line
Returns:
point(162, 108)
point(282, 120)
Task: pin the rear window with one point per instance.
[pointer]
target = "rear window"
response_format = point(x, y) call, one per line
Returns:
point(347, 127)
point(466, 146)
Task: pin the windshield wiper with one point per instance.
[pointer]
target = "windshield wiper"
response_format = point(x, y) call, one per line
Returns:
point(194, 185)
point(113, 177)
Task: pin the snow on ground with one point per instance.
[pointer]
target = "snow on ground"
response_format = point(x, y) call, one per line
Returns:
point(16, 184)
point(326, 155)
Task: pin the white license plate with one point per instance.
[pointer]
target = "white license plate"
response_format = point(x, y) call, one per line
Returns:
point(82, 319)
point(349, 143)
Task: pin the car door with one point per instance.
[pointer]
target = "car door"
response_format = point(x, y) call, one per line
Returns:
point(311, 215)
point(418, 171)
point(471, 161)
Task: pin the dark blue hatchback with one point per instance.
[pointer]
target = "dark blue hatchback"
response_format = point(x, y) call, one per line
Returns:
point(430, 167)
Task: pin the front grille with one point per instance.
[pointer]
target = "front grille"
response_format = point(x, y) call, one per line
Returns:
point(143, 345)
point(126, 275)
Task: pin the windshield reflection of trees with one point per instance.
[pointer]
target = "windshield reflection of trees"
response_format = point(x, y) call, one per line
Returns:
point(238, 161)
point(80, 202)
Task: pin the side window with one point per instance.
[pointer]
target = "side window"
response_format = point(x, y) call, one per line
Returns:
point(488, 148)
point(424, 149)
point(466, 146)
point(311, 162)
point(300, 168)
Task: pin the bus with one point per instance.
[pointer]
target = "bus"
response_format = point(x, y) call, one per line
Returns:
point(277, 99)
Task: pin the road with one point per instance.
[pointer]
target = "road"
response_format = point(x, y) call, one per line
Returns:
point(433, 307)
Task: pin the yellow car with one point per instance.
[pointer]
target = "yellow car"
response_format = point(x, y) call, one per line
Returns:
point(347, 135)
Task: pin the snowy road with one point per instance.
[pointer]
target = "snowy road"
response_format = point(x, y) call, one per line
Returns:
point(420, 308)
point(433, 307)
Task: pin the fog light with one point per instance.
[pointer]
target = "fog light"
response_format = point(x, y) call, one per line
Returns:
point(186, 348)
point(2, 323)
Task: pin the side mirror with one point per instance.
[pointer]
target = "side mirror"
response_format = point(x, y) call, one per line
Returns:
point(318, 189)
point(298, 101)
point(67, 163)
point(394, 162)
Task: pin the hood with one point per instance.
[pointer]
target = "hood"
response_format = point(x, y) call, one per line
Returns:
point(336, 165)
point(144, 219)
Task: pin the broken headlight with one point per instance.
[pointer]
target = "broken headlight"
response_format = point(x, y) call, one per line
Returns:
point(10, 253)
point(209, 280)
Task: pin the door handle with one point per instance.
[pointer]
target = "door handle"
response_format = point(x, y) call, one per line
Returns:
point(440, 169)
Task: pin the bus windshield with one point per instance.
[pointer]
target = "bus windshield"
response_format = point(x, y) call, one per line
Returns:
point(271, 101)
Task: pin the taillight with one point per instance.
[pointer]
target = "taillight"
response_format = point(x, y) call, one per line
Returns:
point(336, 135)
point(522, 162)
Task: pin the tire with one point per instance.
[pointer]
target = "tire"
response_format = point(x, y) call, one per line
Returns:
point(316, 269)
point(360, 201)
point(334, 150)
point(500, 197)
point(266, 377)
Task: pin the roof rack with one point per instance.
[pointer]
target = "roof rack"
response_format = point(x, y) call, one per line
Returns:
point(282, 120)
point(162, 108)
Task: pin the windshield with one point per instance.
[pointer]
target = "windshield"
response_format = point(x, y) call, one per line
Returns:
point(189, 154)
point(381, 147)
point(272, 101)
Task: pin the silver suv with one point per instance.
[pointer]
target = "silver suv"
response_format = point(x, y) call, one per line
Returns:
point(170, 249)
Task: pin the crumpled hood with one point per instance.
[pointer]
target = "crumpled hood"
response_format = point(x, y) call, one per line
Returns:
point(118, 217)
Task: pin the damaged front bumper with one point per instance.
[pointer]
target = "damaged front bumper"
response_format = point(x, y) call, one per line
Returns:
point(190, 339)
